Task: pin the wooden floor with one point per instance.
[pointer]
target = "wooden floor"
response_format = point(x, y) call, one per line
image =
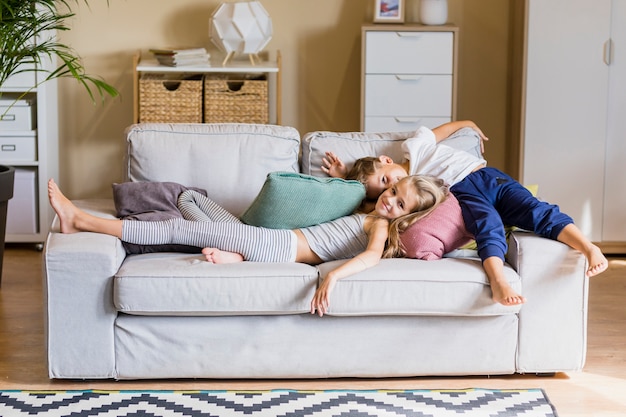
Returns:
point(599, 390)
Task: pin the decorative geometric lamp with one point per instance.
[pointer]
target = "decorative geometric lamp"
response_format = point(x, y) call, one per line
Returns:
point(242, 27)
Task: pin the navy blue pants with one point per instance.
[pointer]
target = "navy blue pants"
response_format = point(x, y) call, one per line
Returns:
point(490, 199)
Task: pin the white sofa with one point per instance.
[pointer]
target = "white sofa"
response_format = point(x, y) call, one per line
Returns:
point(171, 315)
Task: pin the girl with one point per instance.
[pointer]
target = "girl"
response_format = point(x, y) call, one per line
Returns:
point(361, 237)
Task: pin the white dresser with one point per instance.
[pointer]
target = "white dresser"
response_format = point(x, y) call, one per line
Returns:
point(408, 76)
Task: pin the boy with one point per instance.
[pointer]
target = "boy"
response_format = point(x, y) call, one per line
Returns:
point(489, 198)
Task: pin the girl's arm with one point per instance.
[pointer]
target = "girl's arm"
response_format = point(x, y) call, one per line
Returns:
point(377, 232)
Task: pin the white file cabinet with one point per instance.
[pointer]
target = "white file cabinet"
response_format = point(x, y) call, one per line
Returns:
point(408, 76)
point(29, 143)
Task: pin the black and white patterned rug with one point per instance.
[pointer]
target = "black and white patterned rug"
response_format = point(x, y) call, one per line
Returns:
point(281, 402)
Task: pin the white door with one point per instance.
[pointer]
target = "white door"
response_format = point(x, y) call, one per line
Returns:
point(565, 109)
point(615, 180)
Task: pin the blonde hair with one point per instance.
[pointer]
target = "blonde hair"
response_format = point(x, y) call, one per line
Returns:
point(430, 192)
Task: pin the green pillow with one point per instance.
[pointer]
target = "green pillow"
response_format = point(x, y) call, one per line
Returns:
point(289, 200)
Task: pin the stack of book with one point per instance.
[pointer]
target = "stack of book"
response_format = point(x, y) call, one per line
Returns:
point(178, 57)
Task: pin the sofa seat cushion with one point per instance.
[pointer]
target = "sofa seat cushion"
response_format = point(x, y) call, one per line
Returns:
point(445, 287)
point(180, 284)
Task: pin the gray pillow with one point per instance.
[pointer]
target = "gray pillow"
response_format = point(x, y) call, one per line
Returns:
point(150, 201)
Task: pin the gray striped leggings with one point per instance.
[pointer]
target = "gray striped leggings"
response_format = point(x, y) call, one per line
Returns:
point(207, 224)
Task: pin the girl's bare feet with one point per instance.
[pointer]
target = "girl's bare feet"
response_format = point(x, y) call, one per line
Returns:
point(597, 261)
point(64, 208)
point(216, 256)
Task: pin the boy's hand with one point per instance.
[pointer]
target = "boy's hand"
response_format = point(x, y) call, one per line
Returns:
point(483, 138)
point(334, 166)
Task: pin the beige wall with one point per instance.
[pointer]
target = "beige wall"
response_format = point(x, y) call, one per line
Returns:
point(320, 45)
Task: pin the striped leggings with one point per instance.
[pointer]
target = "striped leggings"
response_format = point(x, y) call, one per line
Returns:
point(207, 224)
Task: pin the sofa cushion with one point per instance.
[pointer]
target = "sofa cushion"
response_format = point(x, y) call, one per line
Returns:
point(350, 146)
point(441, 232)
point(228, 160)
point(290, 201)
point(178, 284)
point(447, 287)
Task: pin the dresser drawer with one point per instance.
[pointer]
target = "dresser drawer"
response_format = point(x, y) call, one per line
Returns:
point(18, 148)
point(402, 124)
point(409, 52)
point(410, 95)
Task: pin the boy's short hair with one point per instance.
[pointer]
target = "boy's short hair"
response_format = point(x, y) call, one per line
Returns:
point(363, 168)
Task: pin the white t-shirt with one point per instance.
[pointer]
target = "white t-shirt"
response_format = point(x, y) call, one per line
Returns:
point(427, 158)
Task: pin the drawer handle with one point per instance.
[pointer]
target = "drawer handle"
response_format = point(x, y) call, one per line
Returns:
point(7, 117)
point(407, 119)
point(408, 35)
point(608, 52)
point(8, 148)
point(400, 77)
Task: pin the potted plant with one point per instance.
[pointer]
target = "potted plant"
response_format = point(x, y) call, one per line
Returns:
point(27, 29)
point(27, 38)
point(6, 192)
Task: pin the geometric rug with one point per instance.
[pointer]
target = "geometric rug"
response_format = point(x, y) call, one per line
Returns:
point(278, 402)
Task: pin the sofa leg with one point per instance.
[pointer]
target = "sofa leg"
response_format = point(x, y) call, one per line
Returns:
point(546, 374)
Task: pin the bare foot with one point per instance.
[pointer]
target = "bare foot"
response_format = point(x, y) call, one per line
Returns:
point(597, 261)
point(216, 256)
point(505, 295)
point(64, 208)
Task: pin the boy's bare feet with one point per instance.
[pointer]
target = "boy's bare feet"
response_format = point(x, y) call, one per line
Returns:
point(597, 261)
point(64, 208)
point(505, 295)
point(216, 256)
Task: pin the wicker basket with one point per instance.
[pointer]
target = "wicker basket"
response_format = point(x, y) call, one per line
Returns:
point(166, 100)
point(235, 101)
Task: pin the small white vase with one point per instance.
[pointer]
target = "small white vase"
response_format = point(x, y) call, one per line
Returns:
point(433, 12)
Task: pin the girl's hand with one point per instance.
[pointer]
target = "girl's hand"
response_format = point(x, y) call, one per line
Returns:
point(334, 166)
point(321, 299)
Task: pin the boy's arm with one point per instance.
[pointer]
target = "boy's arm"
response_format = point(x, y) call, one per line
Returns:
point(446, 129)
point(334, 166)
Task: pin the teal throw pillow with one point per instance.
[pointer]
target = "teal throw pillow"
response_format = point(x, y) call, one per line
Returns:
point(290, 200)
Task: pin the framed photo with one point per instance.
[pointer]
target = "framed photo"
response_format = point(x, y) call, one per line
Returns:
point(389, 11)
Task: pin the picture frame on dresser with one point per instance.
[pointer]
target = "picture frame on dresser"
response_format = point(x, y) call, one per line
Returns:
point(389, 11)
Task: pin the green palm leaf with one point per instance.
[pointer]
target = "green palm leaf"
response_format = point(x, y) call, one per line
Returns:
point(27, 36)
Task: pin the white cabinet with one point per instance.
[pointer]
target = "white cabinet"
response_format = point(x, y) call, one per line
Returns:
point(573, 124)
point(408, 76)
point(29, 143)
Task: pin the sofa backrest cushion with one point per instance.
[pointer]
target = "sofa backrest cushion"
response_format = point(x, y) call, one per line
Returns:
point(228, 160)
point(350, 146)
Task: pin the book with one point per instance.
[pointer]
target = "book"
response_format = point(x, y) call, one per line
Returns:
point(174, 57)
point(178, 51)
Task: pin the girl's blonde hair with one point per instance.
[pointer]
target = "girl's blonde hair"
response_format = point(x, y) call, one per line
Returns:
point(430, 193)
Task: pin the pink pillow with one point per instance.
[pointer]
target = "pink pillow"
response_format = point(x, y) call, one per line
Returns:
point(440, 232)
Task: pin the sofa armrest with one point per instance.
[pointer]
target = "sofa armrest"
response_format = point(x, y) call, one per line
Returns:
point(553, 322)
point(78, 297)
